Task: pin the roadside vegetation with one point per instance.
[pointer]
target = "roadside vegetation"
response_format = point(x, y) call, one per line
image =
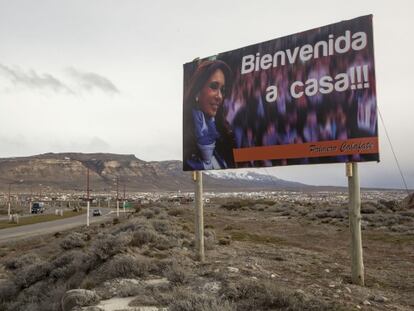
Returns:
point(259, 256)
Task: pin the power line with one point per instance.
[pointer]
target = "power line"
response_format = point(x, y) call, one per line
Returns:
point(393, 152)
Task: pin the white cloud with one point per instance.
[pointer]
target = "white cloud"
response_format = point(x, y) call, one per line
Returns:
point(90, 81)
point(33, 80)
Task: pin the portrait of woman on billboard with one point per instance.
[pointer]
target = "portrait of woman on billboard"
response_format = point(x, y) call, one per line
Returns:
point(208, 139)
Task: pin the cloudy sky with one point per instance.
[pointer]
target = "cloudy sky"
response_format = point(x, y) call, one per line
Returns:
point(106, 76)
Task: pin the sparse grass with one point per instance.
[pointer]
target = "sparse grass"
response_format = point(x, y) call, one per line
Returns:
point(38, 219)
point(392, 239)
point(256, 238)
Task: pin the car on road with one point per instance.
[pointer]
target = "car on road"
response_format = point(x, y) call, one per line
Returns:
point(37, 207)
point(97, 212)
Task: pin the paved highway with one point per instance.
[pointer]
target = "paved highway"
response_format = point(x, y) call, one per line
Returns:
point(20, 232)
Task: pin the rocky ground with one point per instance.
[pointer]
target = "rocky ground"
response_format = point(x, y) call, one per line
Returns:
point(260, 255)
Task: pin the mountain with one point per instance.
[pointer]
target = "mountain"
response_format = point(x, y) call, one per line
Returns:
point(68, 171)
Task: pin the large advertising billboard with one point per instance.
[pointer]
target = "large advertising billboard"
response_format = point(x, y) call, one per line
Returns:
point(306, 98)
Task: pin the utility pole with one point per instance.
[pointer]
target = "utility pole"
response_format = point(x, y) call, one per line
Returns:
point(30, 199)
point(117, 197)
point(8, 203)
point(123, 204)
point(87, 198)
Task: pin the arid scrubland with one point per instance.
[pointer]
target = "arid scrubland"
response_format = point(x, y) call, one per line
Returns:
point(260, 255)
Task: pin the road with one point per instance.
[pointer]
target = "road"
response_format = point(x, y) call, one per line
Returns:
point(20, 232)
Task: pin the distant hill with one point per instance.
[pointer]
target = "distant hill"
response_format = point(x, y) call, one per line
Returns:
point(67, 171)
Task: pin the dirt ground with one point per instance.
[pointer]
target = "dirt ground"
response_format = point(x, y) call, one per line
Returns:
point(314, 257)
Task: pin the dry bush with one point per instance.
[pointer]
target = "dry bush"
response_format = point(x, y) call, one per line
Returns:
point(407, 213)
point(75, 280)
point(259, 207)
point(22, 261)
point(176, 211)
point(73, 240)
point(185, 300)
point(209, 239)
point(392, 204)
point(122, 266)
point(63, 266)
point(391, 220)
point(267, 295)
point(161, 226)
point(157, 210)
point(32, 274)
point(124, 228)
point(231, 206)
point(176, 274)
point(163, 243)
point(144, 236)
point(109, 245)
point(368, 209)
point(8, 290)
point(338, 213)
point(148, 213)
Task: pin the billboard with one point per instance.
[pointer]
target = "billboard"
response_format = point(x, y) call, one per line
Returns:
point(306, 98)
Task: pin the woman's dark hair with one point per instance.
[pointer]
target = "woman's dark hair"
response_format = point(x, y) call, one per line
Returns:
point(198, 79)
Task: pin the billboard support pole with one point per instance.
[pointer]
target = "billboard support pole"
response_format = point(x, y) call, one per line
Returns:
point(199, 217)
point(357, 264)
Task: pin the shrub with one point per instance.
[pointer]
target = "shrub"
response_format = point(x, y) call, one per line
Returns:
point(156, 210)
point(124, 228)
point(144, 236)
point(163, 243)
point(161, 226)
point(32, 274)
point(65, 265)
point(73, 240)
point(368, 209)
point(176, 211)
point(124, 266)
point(190, 301)
point(267, 295)
point(231, 206)
point(209, 239)
point(226, 240)
point(107, 246)
point(22, 261)
point(148, 213)
point(8, 290)
point(176, 274)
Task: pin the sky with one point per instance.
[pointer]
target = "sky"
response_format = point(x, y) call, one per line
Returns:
point(106, 76)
